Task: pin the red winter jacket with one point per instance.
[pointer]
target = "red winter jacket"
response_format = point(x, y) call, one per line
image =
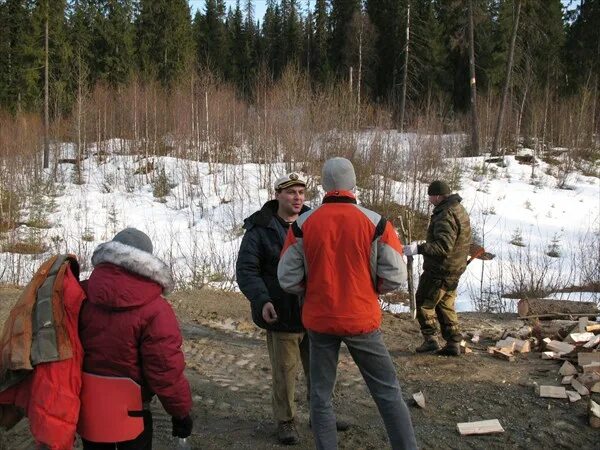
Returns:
point(128, 329)
point(339, 256)
point(49, 396)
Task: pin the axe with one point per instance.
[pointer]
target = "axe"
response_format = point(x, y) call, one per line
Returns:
point(478, 252)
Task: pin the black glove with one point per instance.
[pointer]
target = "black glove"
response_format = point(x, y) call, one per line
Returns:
point(182, 428)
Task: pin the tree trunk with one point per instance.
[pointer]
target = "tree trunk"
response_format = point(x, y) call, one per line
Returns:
point(46, 96)
point(509, 64)
point(474, 119)
point(405, 72)
point(549, 308)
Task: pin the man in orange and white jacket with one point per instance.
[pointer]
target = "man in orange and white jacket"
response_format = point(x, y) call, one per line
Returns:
point(339, 257)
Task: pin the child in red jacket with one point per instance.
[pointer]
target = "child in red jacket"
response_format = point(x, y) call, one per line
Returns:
point(129, 330)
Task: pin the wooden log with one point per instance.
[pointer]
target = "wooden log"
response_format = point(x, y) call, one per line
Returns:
point(588, 379)
point(542, 307)
point(419, 399)
point(585, 359)
point(594, 327)
point(507, 344)
point(550, 355)
point(553, 392)
point(480, 427)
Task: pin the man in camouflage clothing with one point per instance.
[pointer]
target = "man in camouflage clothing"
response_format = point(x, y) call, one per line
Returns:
point(445, 254)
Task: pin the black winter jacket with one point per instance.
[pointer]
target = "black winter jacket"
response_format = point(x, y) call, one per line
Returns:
point(256, 270)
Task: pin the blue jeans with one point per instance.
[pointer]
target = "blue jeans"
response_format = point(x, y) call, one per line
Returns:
point(373, 360)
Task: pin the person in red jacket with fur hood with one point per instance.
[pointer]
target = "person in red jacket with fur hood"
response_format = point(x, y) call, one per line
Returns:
point(128, 329)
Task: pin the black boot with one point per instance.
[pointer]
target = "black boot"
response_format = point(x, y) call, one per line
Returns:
point(430, 344)
point(452, 348)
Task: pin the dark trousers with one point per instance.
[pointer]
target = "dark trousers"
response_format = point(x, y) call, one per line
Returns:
point(142, 442)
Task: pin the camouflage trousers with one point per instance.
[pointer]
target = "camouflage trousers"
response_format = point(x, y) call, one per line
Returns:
point(435, 303)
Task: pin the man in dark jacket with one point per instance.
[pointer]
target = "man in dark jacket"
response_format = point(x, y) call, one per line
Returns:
point(445, 254)
point(273, 309)
point(128, 329)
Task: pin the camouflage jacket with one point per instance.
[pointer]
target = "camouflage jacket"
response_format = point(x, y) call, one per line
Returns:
point(448, 240)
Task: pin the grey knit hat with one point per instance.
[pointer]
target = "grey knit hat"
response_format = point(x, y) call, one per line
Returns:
point(438, 187)
point(338, 175)
point(134, 238)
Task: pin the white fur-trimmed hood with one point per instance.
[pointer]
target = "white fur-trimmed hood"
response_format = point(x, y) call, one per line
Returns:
point(136, 261)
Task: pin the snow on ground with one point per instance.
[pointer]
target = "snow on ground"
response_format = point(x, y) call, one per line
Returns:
point(196, 227)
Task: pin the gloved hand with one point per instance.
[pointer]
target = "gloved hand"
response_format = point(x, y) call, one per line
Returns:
point(182, 428)
point(410, 249)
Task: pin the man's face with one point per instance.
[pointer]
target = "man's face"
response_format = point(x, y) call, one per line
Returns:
point(435, 199)
point(290, 200)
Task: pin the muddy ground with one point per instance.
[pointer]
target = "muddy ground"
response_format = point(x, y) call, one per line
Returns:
point(228, 367)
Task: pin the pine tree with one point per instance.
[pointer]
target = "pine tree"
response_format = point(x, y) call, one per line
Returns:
point(19, 57)
point(319, 62)
point(342, 12)
point(164, 39)
point(271, 36)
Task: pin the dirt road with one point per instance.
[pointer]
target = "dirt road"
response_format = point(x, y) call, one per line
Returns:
point(229, 370)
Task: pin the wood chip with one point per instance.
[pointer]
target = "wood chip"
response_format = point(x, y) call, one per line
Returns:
point(419, 399)
point(579, 387)
point(573, 396)
point(585, 359)
point(553, 392)
point(480, 427)
point(567, 369)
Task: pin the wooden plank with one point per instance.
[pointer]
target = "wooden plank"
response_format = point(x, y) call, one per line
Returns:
point(579, 387)
point(573, 396)
point(594, 327)
point(480, 427)
point(585, 359)
point(553, 392)
point(567, 369)
point(560, 347)
point(419, 399)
